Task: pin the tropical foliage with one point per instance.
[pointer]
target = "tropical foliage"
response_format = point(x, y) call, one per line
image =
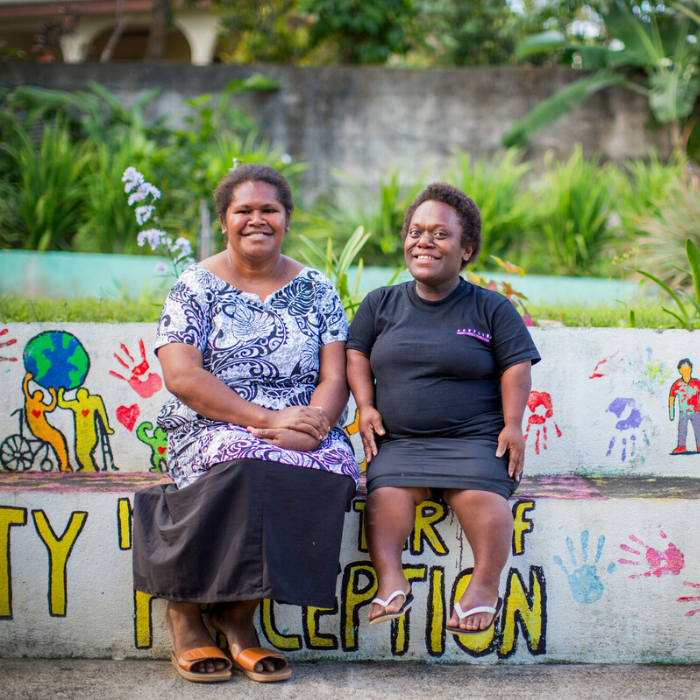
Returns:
point(650, 49)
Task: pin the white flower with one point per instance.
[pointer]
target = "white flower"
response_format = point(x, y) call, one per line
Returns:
point(154, 237)
point(132, 178)
point(183, 245)
point(143, 213)
point(161, 269)
point(286, 158)
point(143, 190)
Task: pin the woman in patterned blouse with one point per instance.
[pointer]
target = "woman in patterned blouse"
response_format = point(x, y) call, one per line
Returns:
point(252, 345)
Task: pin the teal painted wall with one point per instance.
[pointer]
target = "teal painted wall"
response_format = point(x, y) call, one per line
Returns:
point(68, 275)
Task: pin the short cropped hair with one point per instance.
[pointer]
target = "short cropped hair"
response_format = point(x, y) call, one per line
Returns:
point(465, 207)
point(685, 361)
point(252, 172)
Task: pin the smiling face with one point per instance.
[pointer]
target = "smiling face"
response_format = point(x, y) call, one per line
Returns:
point(255, 221)
point(433, 249)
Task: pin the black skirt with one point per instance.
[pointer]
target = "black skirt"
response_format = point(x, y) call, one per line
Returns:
point(441, 463)
point(246, 529)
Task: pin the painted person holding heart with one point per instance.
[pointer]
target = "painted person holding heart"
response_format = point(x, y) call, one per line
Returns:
point(252, 346)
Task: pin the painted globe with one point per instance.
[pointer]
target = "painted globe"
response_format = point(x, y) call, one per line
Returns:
point(56, 360)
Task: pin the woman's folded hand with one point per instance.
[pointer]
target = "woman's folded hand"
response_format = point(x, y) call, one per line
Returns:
point(305, 419)
point(286, 438)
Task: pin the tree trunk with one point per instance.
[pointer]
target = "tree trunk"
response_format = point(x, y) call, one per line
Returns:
point(159, 29)
point(108, 50)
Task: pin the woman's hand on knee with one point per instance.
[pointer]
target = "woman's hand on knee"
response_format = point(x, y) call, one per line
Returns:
point(511, 440)
point(370, 424)
point(286, 438)
point(305, 419)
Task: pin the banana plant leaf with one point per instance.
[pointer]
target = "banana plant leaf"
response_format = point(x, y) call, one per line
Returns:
point(540, 43)
point(551, 109)
point(673, 95)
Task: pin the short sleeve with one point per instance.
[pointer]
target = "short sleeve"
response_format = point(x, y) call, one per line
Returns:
point(184, 318)
point(511, 342)
point(334, 322)
point(362, 329)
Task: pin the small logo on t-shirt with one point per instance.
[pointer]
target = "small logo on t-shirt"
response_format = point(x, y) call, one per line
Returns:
point(485, 337)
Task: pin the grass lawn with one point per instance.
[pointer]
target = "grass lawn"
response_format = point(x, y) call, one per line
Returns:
point(646, 314)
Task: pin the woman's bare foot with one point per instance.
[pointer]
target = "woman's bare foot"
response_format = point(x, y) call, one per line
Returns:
point(187, 631)
point(475, 596)
point(235, 622)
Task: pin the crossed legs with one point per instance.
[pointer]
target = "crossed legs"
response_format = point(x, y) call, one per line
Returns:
point(487, 523)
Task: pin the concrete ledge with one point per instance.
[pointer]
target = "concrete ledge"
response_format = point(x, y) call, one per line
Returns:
point(600, 571)
point(605, 564)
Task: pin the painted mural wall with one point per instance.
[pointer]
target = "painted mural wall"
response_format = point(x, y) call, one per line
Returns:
point(85, 397)
point(605, 564)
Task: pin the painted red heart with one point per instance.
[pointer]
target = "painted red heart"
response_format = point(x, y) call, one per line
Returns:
point(36, 414)
point(85, 413)
point(128, 415)
point(161, 450)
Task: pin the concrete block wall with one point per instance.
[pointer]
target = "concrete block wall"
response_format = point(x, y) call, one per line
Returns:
point(363, 120)
point(605, 562)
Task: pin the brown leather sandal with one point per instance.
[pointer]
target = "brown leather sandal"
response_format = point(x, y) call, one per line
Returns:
point(246, 660)
point(189, 658)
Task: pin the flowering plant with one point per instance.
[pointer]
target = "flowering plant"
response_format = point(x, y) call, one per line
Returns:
point(146, 195)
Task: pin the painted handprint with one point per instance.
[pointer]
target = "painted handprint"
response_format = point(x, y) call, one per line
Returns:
point(670, 561)
point(6, 344)
point(608, 365)
point(144, 385)
point(585, 584)
point(655, 372)
point(690, 599)
point(630, 433)
point(540, 400)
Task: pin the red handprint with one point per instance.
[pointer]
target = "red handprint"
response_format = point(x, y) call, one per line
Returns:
point(670, 561)
point(612, 364)
point(690, 599)
point(7, 344)
point(540, 399)
point(144, 386)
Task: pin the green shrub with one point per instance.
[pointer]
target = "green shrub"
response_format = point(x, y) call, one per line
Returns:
point(499, 189)
point(574, 204)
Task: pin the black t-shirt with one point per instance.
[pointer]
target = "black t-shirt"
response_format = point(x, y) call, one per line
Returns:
point(437, 364)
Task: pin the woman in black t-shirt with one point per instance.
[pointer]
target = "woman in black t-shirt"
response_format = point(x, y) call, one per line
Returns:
point(451, 362)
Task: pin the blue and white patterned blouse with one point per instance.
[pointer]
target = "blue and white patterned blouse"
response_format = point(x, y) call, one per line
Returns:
point(267, 352)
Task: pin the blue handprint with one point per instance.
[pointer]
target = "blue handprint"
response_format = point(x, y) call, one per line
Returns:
point(586, 586)
point(628, 428)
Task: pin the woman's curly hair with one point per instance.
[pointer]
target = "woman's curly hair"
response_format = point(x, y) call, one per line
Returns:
point(465, 207)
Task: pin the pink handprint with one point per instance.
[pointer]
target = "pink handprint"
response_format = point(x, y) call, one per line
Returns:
point(144, 385)
point(670, 561)
point(540, 399)
point(6, 344)
point(690, 599)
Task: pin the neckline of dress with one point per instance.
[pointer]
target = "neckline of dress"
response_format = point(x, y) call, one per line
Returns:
point(255, 296)
point(428, 303)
